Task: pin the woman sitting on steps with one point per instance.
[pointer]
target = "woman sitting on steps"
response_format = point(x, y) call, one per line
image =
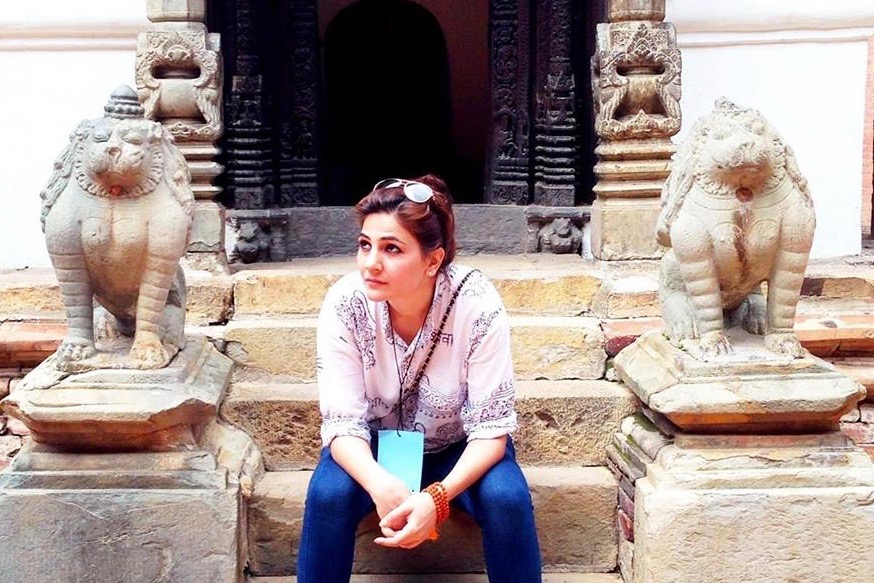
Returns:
point(414, 368)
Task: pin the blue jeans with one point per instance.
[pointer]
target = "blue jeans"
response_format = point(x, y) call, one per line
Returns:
point(499, 502)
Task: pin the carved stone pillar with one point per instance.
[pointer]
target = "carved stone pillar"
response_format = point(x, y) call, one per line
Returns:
point(179, 82)
point(636, 85)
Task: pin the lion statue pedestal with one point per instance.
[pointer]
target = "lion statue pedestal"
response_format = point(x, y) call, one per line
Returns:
point(122, 481)
point(750, 464)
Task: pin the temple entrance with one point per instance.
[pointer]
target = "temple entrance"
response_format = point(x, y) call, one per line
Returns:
point(389, 97)
point(322, 98)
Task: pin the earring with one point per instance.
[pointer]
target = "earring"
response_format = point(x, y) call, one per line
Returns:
point(432, 272)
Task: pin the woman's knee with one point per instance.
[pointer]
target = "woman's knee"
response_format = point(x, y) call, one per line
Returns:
point(332, 490)
point(504, 493)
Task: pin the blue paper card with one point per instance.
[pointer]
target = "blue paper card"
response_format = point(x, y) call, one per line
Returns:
point(400, 452)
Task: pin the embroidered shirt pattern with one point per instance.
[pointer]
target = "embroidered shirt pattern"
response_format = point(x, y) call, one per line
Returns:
point(467, 391)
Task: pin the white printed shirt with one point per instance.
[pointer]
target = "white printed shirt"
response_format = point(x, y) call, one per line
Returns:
point(467, 390)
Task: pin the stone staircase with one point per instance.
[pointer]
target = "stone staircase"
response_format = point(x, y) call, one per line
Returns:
point(568, 318)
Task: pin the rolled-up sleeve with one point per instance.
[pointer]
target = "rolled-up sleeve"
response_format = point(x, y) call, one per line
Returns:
point(489, 410)
point(339, 366)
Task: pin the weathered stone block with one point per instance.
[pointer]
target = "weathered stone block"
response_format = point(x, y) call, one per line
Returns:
point(633, 296)
point(566, 499)
point(624, 229)
point(559, 421)
point(556, 348)
point(123, 525)
point(285, 346)
point(728, 514)
point(208, 229)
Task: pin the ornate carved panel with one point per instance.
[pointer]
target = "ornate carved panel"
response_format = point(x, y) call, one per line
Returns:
point(178, 74)
point(248, 134)
point(556, 156)
point(636, 81)
point(508, 172)
point(298, 135)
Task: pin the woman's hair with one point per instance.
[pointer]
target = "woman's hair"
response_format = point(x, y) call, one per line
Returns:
point(432, 223)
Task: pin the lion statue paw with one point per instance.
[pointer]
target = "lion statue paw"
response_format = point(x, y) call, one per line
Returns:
point(785, 343)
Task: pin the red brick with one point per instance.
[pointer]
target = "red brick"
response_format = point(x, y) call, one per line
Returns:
point(621, 333)
point(859, 432)
point(626, 525)
point(29, 343)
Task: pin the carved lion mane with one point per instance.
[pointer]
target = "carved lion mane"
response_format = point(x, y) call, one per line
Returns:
point(728, 150)
point(147, 156)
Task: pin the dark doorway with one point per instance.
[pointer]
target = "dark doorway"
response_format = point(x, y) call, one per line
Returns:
point(387, 96)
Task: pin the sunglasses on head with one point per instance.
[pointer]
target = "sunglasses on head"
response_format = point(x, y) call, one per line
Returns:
point(415, 191)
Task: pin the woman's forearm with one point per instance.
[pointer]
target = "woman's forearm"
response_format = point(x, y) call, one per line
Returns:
point(478, 457)
point(353, 454)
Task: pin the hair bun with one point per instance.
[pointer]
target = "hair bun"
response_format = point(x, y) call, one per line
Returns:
point(436, 184)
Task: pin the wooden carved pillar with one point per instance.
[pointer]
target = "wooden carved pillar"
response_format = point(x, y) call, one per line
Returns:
point(298, 112)
point(248, 127)
point(508, 165)
point(556, 154)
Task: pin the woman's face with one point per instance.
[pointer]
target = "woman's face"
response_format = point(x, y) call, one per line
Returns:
point(391, 261)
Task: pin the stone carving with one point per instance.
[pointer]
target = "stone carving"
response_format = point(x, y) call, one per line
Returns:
point(115, 233)
point(165, 60)
point(636, 81)
point(560, 236)
point(736, 212)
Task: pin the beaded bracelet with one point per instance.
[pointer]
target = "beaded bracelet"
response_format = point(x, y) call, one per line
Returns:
point(437, 491)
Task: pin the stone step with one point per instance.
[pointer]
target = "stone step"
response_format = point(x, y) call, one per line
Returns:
point(456, 578)
point(32, 294)
point(544, 347)
point(575, 510)
point(560, 422)
point(561, 285)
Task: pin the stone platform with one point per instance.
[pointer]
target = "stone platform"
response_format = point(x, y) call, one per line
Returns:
point(127, 518)
point(724, 509)
point(750, 390)
point(123, 409)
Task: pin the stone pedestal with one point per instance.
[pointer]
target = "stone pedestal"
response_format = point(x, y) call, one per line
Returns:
point(734, 470)
point(123, 409)
point(126, 518)
point(755, 508)
point(751, 390)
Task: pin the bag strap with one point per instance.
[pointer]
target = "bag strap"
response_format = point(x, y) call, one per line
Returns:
point(435, 337)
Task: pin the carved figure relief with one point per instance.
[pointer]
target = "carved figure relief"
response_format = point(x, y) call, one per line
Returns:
point(736, 212)
point(179, 82)
point(116, 214)
point(636, 81)
point(560, 236)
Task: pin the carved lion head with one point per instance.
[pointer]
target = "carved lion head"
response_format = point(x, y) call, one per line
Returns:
point(120, 155)
point(730, 152)
point(737, 147)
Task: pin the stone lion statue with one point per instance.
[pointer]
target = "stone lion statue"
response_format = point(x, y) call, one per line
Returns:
point(117, 214)
point(736, 212)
